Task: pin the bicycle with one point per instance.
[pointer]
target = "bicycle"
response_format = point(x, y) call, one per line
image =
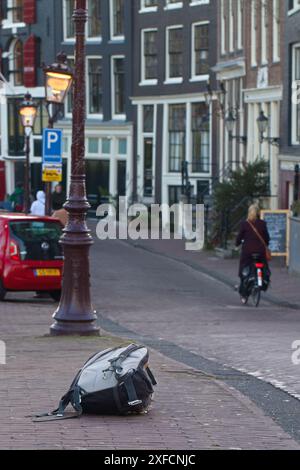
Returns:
point(254, 281)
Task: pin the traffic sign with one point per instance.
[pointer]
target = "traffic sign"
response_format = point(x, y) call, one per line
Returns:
point(52, 173)
point(52, 146)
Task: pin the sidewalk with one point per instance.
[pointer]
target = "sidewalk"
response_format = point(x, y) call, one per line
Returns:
point(191, 410)
point(284, 288)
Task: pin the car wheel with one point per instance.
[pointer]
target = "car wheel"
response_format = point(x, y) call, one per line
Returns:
point(2, 291)
point(55, 295)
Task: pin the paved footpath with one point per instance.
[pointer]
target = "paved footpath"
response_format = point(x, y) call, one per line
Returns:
point(284, 288)
point(190, 411)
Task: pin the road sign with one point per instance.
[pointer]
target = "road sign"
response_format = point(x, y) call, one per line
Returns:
point(52, 146)
point(52, 173)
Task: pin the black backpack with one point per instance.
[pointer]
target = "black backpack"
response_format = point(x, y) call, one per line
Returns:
point(114, 381)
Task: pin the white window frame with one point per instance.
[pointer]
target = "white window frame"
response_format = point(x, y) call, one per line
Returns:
point(223, 28)
point(194, 3)
point(68, 114)
point(264, 33)
point(91, 115)
point(71, 40)
point(111, 24)
point(253, 33)
point(295, 48)
point(240, 29)
point(114, 116)
point(231, 26)
point(276, 31)
point(170, 80)
point(194, 77)
point(188, 147)
point(173, 6)
point(145, 9)
point(93, 38)
point(144, 81)
point(295, 8)
point(7, 23)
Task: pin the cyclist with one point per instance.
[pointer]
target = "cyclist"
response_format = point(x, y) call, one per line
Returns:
point(254, 238)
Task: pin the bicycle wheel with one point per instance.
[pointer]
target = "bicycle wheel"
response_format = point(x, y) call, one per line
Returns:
point(255, 296)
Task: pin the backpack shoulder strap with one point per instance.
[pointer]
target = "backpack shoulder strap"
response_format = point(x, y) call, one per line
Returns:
point(257, 233)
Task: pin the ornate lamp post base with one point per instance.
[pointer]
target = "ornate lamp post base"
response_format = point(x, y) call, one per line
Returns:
point(75, 314)
point(61, 328)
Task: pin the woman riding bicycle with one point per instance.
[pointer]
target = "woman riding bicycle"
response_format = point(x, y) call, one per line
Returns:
point(255, 238)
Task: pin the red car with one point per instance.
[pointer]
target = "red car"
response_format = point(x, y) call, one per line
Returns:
point(31, 257)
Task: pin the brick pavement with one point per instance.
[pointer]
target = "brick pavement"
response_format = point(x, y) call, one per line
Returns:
point(190, 411)
point(284, 286)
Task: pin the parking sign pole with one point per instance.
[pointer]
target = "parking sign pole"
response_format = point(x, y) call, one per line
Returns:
point(75, 314)
point(48, 186)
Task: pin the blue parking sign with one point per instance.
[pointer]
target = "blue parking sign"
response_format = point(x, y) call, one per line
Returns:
point(52, 146)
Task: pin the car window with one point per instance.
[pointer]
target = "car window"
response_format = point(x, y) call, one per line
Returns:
point(37, 240)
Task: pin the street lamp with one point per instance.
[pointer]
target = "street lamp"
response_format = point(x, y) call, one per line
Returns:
point(263, 124)
point(58, 81)
point(230, 122)
point(28, 112)
point(75, 314)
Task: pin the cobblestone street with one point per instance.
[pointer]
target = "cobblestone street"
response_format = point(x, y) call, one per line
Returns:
point(150, 296)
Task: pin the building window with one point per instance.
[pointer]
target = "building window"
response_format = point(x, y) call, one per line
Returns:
point(253, 33)
point(223, 28)
point(117, 19)
point(149, 5)
point(175, 53)
point(16, 8)
point(296, 97)
point(148, 115)
point(148, 151)
point(276, 30)
point(95, 92)
point(122, 147)
point(264, 33)
point(106, 146)
point(177, 136)
point(69, 101)
point(240, 24)
point(170, 4)
point(94, 21)
point(150, 56)
point(294, 5)
point(94, 24)
point(201, 47)
point(69, 26)
point(200, 138)
point(16, 63)
point(231, 26)
point(118, 64)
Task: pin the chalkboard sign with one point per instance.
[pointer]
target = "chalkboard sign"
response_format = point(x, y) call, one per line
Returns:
point(278, 223)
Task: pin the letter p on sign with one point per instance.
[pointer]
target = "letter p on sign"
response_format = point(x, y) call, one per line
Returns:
point(52, 139)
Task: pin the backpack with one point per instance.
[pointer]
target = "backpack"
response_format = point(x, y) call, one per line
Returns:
point(113, 381)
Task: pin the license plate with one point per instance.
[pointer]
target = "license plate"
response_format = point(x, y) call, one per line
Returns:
point(47, 272)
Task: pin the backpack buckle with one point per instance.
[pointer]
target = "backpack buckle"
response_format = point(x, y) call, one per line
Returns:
point(135, 402)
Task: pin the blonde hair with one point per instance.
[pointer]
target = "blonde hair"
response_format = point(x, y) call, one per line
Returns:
point(253, 212)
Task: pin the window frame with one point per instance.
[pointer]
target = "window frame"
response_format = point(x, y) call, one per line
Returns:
point(92, 115)
point(194, 76)
point(144, 80)
point(114, 115)
point(169, 79)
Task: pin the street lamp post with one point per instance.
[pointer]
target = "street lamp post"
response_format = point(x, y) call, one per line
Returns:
point(75, 314)
point(263, 124)
point(58, 81)
point(28, 112)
